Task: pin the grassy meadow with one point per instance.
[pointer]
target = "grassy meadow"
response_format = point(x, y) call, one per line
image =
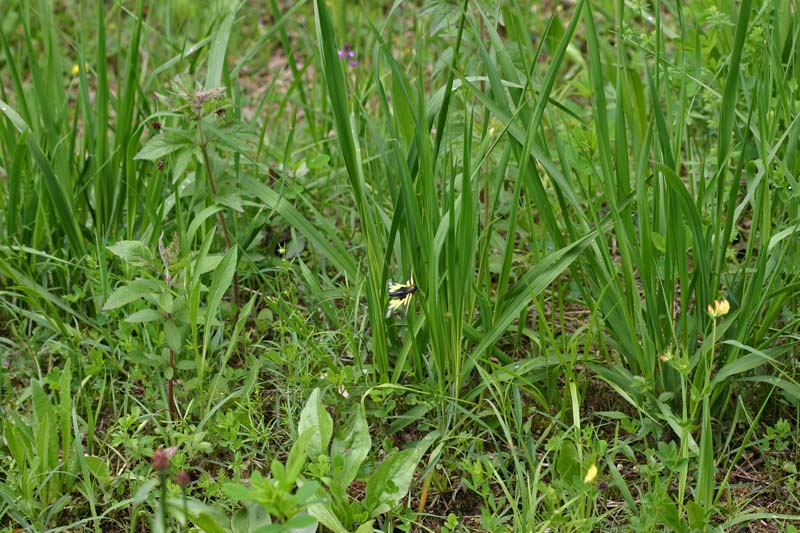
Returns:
point(411, 266)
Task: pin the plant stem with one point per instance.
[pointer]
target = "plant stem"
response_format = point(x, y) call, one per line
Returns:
point(162, 476)
point(212, 184)
point(185, 504)
point(173, 411)
point(423, 497)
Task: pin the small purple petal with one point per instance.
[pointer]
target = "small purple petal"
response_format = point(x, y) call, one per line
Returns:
point(341, 54)
point(351, 54)
point(354, 63)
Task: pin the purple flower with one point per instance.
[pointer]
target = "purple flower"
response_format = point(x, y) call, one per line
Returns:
point(348, 53)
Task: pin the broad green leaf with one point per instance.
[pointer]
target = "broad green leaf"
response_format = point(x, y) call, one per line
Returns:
point(207, 523)
point(350, 447)
point(249, 518)
point(99, 468)
point(144, 490)
point(174, 336)
point(220, 282)
point(781, 235)
point(568, 465)
point(366, 527)
point(208, 263)
point(17, 444)
point(236, 491)
point(519, 369)
point(42, 408)
point(391, 481)
point(302, 523)
point(201, 515)
point(65, 412)
point(791, 388)
point(326, 517)
point(200, 218)
point(412, 416)
point(315, 417)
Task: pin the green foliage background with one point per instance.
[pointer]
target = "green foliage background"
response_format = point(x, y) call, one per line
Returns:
point(201, 208)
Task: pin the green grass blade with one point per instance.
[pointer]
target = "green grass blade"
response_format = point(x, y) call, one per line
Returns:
point(535, 281)
point(219, 49)
point(61, 201)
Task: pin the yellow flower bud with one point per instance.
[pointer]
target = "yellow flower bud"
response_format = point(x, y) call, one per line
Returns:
point(591, 474)
point(76, 68)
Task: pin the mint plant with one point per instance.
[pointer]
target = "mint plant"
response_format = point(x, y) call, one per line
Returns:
point(170, 289)
point(196, 129)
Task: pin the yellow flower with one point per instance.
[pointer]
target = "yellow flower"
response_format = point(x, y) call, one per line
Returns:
point(591, 474)
point(719, 309)
point(76, 69)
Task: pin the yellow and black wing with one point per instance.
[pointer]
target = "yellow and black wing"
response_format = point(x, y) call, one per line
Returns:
point(400, 296)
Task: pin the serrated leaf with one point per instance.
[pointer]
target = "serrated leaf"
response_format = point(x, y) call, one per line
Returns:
point(143, 316)
point(130, 292)
point(235, 138)
point(132, 252)
point(208, 263)
point(158, 147)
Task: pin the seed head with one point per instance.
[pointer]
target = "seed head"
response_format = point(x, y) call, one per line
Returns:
point(183, 478)
point(160, 460)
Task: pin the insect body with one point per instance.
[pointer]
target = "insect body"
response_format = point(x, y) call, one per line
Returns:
point(400, 295)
